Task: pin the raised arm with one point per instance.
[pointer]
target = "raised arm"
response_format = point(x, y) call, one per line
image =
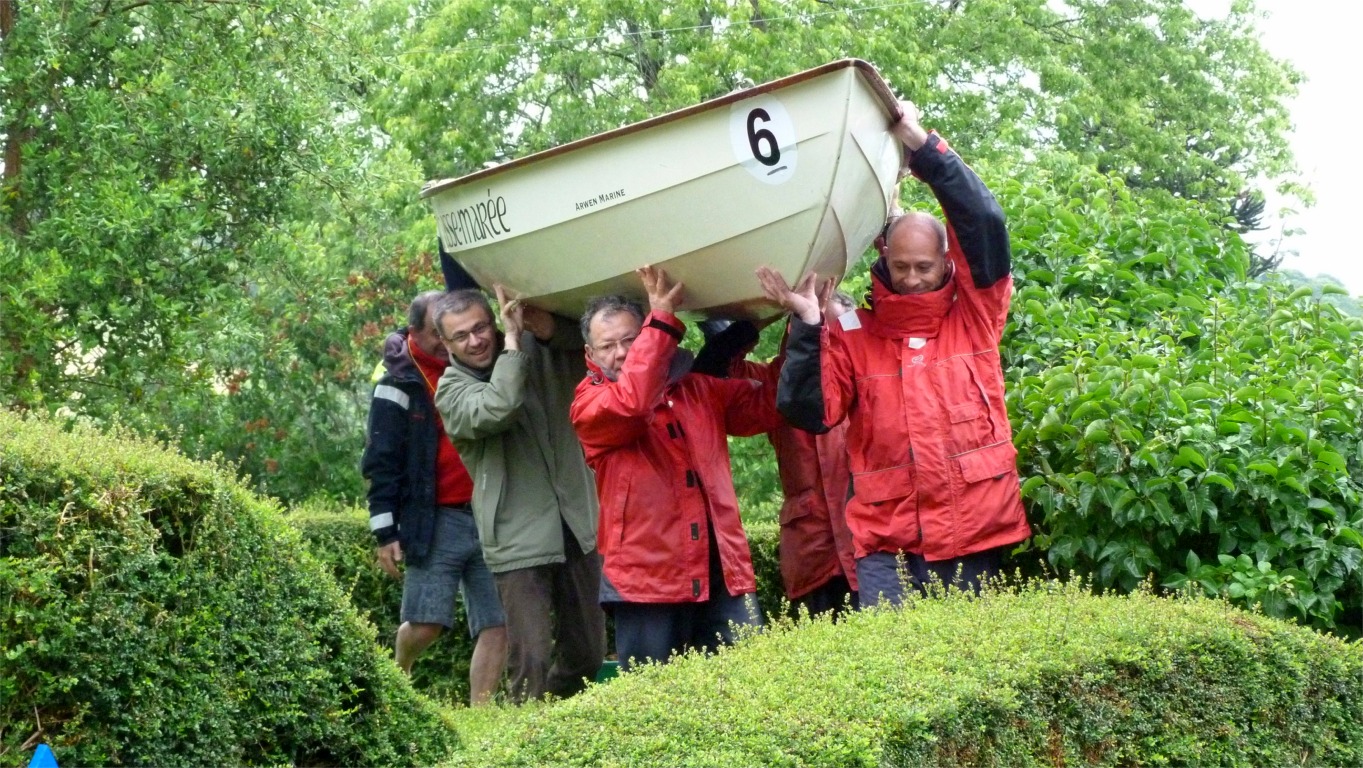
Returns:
point(800, 388)
point(608, 413)
point(473, 409)
point(975, 220)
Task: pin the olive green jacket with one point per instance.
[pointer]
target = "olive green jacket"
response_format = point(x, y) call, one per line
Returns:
point(510, 424)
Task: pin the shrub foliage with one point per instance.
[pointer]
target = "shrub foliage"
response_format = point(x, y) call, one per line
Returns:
point(1047, 674)
point(1174, 417)
point(338, 536)
point(155, 613)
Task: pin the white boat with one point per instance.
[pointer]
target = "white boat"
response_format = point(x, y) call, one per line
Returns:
point(798, 173)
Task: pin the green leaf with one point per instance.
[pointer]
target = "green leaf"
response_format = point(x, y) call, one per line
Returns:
point(1216, 478)
point(1190, 457)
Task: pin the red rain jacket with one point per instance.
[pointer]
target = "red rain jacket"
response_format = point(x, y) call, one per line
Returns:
point(918, 379)
point(816, 544)
point(661, 458)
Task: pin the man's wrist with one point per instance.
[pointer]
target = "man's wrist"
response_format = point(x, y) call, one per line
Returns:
point(913, 137)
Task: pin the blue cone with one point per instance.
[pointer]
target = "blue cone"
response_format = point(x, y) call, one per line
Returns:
point(43, 758)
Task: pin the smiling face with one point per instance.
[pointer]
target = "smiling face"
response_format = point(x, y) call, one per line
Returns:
point(916, 255)
point(610, 336)
point(470, 336)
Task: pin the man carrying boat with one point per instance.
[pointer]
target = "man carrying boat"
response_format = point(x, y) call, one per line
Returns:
point(817, 559)
point(677, 571)
point(504, 401)
point(419, 493)
point(917, 376)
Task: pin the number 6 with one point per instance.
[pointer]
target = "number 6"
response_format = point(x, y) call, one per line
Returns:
point(758, 135)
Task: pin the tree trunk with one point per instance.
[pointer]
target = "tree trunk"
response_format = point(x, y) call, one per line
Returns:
point(9, 10)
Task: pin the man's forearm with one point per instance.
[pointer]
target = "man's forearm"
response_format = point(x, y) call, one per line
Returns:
point(971, 209)
point(799, 390)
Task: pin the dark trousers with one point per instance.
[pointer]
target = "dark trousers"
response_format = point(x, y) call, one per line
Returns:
point(833, 596)
point(556, 632)
point(647, 632)
point(882, 576)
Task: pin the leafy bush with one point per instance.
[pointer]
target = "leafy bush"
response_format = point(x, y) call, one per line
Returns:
point(338, 536)
point(1174, 418)
point(1048, 674)
point(156, 613)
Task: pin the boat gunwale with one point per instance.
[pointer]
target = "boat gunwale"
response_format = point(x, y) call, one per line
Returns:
point(868, 71)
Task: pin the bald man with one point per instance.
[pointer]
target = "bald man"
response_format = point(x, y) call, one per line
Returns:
point(916, 374)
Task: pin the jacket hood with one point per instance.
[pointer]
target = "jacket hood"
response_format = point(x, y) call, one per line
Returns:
point(396, 361)
point(904, 315)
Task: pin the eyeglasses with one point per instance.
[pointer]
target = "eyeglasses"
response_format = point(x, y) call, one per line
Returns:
point(607, 346)
point(477, 330)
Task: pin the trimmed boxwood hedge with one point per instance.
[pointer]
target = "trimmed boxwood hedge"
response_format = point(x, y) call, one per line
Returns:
point(1046, 674)
point(153, 612)
point(339, 537)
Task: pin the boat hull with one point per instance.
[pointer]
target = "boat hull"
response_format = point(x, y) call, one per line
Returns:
point(798, 174)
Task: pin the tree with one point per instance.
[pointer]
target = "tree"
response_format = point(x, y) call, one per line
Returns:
point(1143, 88)
point(151, 151)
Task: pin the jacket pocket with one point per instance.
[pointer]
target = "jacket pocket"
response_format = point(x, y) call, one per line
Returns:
point(967, 404)
point(798, 507)
point(988, 463)
point(883, 484)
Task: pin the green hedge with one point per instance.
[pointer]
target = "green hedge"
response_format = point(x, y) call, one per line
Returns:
point(1047, 674)
point(339, 537)
point(156, 613)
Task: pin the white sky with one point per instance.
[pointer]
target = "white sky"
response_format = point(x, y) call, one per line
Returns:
point(1321, 39)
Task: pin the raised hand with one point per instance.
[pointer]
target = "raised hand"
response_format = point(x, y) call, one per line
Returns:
point(663, 294)
point(538, 322)
point(513, 317)
point(800, 300)
point(908, 129)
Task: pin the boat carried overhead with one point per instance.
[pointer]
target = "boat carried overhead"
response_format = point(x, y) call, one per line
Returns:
point(798, 173)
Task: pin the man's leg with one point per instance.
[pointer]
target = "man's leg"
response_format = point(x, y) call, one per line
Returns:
point(525, 595)
point(722, 614)
point(428, 594)
point(487, 666)
point(966, 572)
point(579, 623)
point(882, 578)
point(413, 638)
point(833, 596)
point(651, 632)
point(487, 621)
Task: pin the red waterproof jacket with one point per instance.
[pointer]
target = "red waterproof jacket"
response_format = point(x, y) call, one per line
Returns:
point(815, 544)
point(918, 378)
point(662, 469)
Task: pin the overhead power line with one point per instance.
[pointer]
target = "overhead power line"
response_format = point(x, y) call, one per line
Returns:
point(732, 23)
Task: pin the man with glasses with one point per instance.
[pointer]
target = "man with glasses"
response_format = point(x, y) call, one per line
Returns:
point(419, 493)
point(677, 571)
point(504, 402)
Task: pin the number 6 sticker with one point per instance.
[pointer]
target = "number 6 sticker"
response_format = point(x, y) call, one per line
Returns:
point(763, 139)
